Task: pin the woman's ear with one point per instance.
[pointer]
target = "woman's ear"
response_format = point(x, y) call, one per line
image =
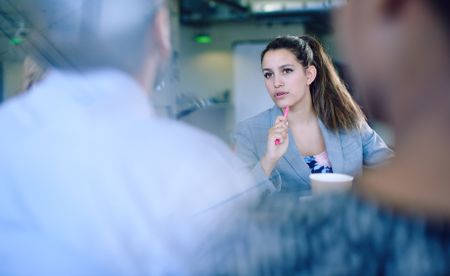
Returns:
point(161, 32)
point(311, 73)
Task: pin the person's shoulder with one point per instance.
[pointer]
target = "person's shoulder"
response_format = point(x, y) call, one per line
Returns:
point(193, 156)
point(183, 131)
point(179, 137)
point(365, 132)
point(8, 107)
point(17, 124)
point(15, 115)
point(362, 128)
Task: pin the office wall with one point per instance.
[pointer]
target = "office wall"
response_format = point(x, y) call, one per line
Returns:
point(250, 95)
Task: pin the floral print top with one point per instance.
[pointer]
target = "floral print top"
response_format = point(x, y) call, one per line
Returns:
point(319, 163)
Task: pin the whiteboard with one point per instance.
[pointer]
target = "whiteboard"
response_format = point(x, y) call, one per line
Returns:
point(250, 94)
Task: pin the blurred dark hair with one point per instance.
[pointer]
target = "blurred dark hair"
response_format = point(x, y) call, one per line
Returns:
point(331, 100)
point(442, 9)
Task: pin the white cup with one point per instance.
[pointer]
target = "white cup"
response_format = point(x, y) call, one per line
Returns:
point(330, 182)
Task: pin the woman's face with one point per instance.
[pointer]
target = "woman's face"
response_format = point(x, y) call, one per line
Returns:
point(285, 78)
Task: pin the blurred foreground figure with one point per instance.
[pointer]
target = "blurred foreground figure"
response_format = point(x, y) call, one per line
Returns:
point(397, 222)
point(91, 182)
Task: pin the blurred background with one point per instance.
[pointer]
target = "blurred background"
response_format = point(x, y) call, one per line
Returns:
point(214, 78)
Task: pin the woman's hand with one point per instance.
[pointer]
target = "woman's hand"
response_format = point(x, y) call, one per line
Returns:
point(275, 152)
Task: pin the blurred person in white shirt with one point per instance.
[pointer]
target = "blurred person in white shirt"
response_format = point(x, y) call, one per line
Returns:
point(91, 181)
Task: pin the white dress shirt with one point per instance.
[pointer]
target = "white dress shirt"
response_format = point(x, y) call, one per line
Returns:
point(92, 183)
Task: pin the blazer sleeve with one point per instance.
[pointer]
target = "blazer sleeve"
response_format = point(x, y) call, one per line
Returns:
point(245, 147)
point(375, 150)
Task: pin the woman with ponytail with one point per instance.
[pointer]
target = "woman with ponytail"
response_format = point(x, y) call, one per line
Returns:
point(315, 125)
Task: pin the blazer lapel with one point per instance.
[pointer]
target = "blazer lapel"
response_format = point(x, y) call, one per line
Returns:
point(334, 148)
point(296, 160)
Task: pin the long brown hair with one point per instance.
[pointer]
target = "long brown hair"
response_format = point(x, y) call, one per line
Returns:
point(331, 100)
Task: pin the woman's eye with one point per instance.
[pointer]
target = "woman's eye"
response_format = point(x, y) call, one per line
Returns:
point(267, 75)
point(287, 70)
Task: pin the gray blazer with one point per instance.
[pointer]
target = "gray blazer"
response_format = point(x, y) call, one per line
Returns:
point(348, 152)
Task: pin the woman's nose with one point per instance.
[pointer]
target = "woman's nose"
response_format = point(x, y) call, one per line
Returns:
point(277, 82)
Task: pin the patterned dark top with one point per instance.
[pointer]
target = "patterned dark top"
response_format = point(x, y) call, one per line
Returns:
point(331, 235)
point(319, 163)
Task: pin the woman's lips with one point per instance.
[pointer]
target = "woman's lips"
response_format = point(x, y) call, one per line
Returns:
point(280, 95)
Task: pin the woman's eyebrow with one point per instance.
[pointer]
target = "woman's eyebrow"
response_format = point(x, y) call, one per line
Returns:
point(286, 65)
point(280, 67)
